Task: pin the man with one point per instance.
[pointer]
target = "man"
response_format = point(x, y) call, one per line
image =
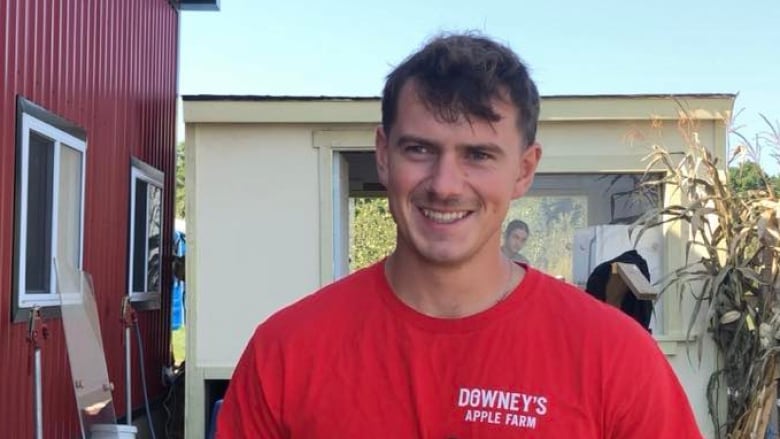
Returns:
point(447, 338)
point(515, 236)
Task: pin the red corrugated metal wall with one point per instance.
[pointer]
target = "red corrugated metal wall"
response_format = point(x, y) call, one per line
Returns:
point(110, 67)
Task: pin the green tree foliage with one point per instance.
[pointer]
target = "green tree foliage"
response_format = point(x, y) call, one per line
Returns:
point(181, 202)
point(372, 231)
point(750, 176)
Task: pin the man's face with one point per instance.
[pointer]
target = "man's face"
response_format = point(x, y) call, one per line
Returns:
point(516, 240)
point(450, 184)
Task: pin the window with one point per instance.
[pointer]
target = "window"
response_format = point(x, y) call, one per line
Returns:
point(577, 221)
point(145, 249)
point(560, 208)
point(552, 221)
point(50, 164)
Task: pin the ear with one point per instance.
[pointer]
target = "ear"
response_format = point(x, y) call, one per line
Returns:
point(380, 142)
point(529, 160)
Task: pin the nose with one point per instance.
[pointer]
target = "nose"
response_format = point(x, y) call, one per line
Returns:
point(447, 178)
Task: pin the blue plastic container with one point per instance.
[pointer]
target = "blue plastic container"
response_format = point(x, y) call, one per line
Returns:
point(178, 290)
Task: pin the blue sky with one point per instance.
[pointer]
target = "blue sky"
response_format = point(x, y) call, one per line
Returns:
point(346, 47)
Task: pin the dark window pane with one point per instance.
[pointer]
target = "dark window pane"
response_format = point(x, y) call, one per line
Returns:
point(139, 239)
point(39, 210)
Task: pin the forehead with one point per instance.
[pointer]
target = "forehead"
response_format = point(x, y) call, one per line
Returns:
point(414, 112)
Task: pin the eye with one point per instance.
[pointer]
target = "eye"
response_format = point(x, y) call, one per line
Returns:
point(417, 149)
point(477, 154)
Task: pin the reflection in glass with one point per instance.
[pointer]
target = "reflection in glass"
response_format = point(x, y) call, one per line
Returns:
point(80, 320)
point(552, 221)
point(69, 207)
point(153, 255)
point(560, 205)
point(147, 226)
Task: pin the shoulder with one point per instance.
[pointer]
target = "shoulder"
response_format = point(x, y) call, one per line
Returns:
point(628, 357)
point(585, 315)
point(329, 308)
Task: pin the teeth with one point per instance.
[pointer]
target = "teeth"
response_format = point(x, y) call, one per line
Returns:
point(444, 217)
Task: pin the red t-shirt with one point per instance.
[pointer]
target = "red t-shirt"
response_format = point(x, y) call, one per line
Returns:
point(549, 361)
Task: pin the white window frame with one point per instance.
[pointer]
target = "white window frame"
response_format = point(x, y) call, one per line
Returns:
point(31, 123)
point(152, 176)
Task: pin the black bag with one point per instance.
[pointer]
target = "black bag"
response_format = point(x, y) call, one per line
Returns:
point(640, 310)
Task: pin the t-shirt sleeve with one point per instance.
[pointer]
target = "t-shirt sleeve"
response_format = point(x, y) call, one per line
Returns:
point(251, 407)
point(645, 398)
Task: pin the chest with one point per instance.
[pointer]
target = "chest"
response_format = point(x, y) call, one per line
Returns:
point(496, 385)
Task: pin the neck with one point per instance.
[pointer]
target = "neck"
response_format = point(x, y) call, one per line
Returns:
point(451, 291)
point(507, 252)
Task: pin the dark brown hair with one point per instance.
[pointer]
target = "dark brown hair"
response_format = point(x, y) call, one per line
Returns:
point(514, 225)
point(458, 75)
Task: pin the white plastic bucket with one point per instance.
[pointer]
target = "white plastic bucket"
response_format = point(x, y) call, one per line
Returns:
point(113, 431)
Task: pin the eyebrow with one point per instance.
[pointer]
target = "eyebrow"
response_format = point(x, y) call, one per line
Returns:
point(408, 138)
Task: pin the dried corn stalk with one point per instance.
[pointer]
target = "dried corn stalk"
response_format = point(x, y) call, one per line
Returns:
point(732, 274)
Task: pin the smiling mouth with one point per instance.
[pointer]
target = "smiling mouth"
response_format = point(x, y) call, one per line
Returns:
point(444, 217)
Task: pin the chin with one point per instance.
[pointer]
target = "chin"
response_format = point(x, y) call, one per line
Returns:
point(440, 256)
point(451, 251)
